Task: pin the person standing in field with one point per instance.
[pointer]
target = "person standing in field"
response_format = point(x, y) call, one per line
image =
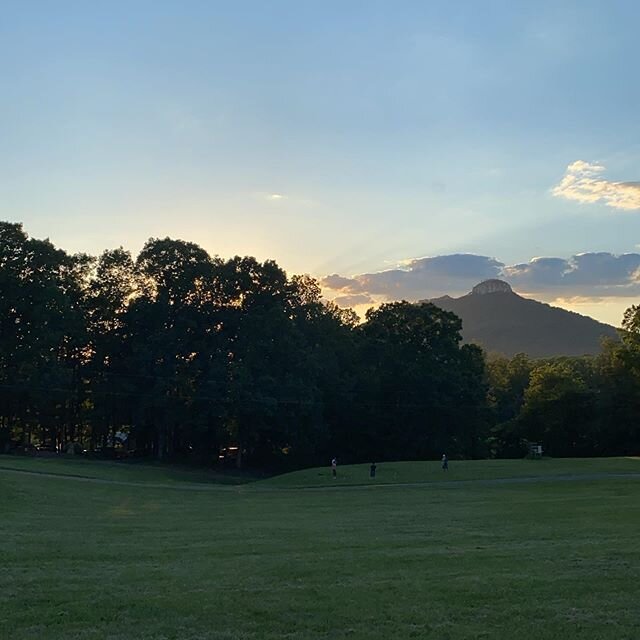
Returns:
point(445, 462)
point(334, 468)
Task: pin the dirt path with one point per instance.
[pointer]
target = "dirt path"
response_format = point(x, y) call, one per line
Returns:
point(193, 486)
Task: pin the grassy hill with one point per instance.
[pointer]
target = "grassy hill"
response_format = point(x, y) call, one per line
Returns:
point(465, 470)
point(506, 323)
point(298, 556)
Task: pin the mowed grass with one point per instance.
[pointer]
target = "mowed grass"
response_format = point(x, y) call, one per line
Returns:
point(431, 471)
point(142, 471)
point(552, 558)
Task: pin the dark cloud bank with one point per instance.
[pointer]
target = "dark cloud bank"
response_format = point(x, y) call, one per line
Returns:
point(585, 274)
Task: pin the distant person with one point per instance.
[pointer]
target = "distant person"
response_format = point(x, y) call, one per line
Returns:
point(445, 462)
point(372, 470)
point(334, 468)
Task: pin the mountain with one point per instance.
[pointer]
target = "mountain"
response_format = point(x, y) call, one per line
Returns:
point(503, 322)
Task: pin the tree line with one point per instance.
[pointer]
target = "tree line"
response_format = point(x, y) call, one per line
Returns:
point(574, 407)
point(177, 354)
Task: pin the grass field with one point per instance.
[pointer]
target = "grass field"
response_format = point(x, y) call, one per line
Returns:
point(143, 472)
point(477, 553)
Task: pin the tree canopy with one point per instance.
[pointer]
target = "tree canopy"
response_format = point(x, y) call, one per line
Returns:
point(177, 354)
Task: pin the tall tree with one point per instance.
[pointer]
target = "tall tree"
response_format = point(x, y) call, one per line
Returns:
point(167, 324)
point(559, 410)
point(111, 290)
point(43, 339)
point(419, 389)
point(508, 382)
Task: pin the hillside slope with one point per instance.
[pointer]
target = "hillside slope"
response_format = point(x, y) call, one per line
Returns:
point(503, 322)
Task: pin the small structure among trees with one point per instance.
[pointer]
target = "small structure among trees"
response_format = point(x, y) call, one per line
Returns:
point(535, 450)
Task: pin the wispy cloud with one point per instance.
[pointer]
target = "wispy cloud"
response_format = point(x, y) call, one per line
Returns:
point(291, 199)
point(583, 182)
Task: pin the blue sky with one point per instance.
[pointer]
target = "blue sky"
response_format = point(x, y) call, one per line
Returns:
point(341, 138)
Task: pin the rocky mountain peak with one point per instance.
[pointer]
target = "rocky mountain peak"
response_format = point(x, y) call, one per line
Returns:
point(491, 286)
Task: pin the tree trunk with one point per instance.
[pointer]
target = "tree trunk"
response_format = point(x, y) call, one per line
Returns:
point(239, 456)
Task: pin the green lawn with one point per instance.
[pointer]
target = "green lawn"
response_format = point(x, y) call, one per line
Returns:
point(547, 559)
point(427, 472)
point(118, 471)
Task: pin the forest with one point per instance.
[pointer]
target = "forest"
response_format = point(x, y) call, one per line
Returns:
point(179, 355)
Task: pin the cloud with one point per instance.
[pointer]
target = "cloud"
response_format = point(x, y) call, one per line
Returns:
point(604, 268)
point(277, 197)
point(538, 271)
point(338, 283)
point(419, 277)
point(576, 300)
point(595, 274)
point(583, 182)
point(457, 265)
point(583, 274)
point(353, 300)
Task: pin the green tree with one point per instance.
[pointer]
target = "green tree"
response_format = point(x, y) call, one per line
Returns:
point(619, 393)
point(419, 390)
point(559, 410)
point(110, 387)
point(167, 325)
point(508, 382)
point(43, 337)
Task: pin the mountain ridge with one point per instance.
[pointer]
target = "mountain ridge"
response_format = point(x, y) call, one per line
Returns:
point(505, 323)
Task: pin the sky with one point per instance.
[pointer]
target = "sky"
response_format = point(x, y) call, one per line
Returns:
point(391, 149)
